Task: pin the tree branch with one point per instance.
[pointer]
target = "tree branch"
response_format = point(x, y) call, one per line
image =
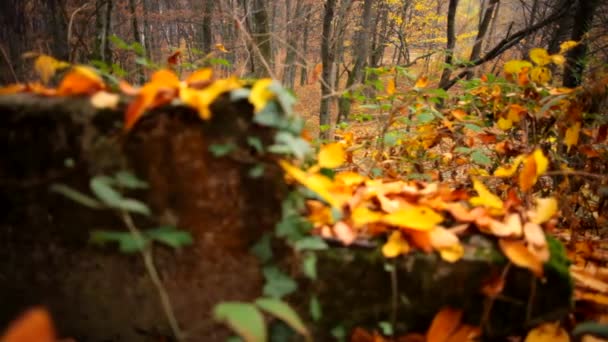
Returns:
point(506, 44)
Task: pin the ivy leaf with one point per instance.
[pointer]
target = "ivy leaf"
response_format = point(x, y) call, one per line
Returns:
point(278, 284)
point(127, 242)
point(170, 236)
point(480, 158)
point(263, 248)
point(220, 150)
point(76, 196)
point(309, 266)
point(310, 243)
point(284, 312)
point(244, 318)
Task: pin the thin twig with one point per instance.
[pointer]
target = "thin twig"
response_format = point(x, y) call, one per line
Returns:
point(146, 254)
point(8, 62)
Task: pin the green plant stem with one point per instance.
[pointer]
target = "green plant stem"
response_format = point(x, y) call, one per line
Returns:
point(146, 254)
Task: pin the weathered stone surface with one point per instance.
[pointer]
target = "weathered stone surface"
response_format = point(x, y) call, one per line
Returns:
point(97, 294)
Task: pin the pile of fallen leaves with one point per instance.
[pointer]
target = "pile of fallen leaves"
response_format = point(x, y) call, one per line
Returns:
point(426, 216)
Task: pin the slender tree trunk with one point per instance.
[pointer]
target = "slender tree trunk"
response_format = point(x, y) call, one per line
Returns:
point(486, 18)
point(261, 35)
point(12, 28)
point(327, 58)
point(575, 64)
point(451, 43)
point(140, 77)
point(289, 70)
point(361, 51)
point(59, 29)
point(303, 61)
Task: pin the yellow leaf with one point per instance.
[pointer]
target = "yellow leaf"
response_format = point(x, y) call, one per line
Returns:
point(485, 197)
point(390, 86)
point(260, 95)
point(442, 238)
point(362, 216)
point(221, 47)
point(567, 45)
point(315, 182)
point(516, 66)
point(452, 253)
point(414, 217)
point(349, 178)
point(545, 209)
point(395, 245)
point(558, 59)
point(540, 56)
point(332, 155)
point(504, 124)
point(540, 75)
point(202, 99)
point(508, 171)
point(528, 175)
point(542, 163)
point(422, 82)
point(571, 138)
point(548, 332)
point(517, 252)
point(47, 66)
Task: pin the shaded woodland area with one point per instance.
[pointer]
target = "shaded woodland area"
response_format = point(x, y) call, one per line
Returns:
point(303, 170)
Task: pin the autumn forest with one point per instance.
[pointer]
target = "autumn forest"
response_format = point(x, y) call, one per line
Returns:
point(303, 170)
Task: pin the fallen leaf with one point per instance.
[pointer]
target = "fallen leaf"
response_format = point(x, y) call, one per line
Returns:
point(517, 252)
point(33, 326)
point(540, 56)
point(390, 86)
point(422, 82)
point(444, 325)
point(46, 67)
point(508, 171)
point(485, 197)
point(362, 216)
point(548, 332)
point(567, 45)
point(103, 100)
point(344, 233)
point(511, 227)
point(221, 47)
point(260, 95)
point(465, 333)
point(331, 155)
point(81, 80)
point(451, 253)
point(515, 66)
point(395, 245)
point(545, 209)
point(173, 59)
point(572, 133)
point(414, 217)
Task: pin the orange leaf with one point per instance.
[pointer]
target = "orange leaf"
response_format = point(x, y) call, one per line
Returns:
point(422, 82)
point(33, 326)
point(173, 59)
point(80, 80)
point(12, 89)
point(390, 86)
point(444, 324)
point(527, 177)
point(517, 252)
point(465, 333)
point(548, 332)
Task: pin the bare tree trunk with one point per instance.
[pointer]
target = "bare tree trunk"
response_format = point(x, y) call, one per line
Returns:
point(12, 28)
point(289, 69)
point(449, 51)
point(59, 29)
point(328, 59)
point(103, 19)
point(575, 64)
point(303, 61)
point(486, 18)
point(261, 35)
point(137, 38)
point(361, 51)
